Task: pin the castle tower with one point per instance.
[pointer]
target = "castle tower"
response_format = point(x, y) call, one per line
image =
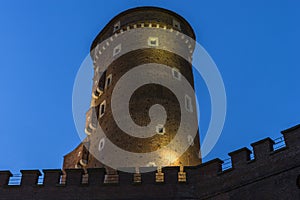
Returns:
point(164, 33)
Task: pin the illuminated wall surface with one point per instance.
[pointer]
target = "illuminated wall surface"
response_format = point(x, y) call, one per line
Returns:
point(273, 172)
point(156, 46)
point(160, 44)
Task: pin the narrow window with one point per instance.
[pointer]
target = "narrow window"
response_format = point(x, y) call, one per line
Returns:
point(117, 26)
point(88, 130)
point(188, 103)
point(176, 24)
point(83, 162)
point(102, 108)
point(117, 50)
point(101, 83)
point(153, 41)
point(101, 144)
point(176, 73)
point(160, 129)
point(108, 80)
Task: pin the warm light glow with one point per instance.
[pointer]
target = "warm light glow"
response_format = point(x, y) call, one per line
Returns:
point(171, 156)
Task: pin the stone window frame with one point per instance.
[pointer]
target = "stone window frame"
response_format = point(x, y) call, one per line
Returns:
point(117, 50)
point(188, 103)
point(153, 41)
point(176, 24)
point(160, 129)
point(108, 81)
point(176, 71)
point(102, 108)
point(117, 26)
point(101, 144)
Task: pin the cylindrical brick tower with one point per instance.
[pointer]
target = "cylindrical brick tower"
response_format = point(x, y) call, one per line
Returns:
point(167, 39)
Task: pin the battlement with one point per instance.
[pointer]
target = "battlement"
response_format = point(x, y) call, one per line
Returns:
point(207, 179)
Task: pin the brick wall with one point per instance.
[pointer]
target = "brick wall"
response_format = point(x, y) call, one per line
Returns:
point(272, 174)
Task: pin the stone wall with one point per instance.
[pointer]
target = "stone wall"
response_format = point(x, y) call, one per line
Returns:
point(271, 174)
point(131, 33)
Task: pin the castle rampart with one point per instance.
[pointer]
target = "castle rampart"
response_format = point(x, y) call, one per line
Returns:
point(271, 174)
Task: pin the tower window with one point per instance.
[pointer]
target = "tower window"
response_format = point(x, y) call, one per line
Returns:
point(160, 129)
point(88, 130)
point(153, 41)
point(101, 144)
point(176, 74)
point(108, 80)
point(102, 108)
point(176, 24)
point(188, 103)
point(117, 50)
point(117, 26)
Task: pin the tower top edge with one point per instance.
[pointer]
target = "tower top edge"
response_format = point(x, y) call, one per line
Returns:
point(107, 27)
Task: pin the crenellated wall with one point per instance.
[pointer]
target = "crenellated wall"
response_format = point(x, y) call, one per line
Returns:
point(272, 174)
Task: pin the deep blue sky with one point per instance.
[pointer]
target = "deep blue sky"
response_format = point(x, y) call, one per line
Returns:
point(42, 44)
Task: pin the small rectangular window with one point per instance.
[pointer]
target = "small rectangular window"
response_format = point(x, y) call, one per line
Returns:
point(117, 26)
point(176, 74)
point(188, 103)
point(101, 144)
point(160, 129)
point(108, 81)
point(176, 24)
point(88, 130)
point(102, 108)
point(153, 41)
point(117, 50)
